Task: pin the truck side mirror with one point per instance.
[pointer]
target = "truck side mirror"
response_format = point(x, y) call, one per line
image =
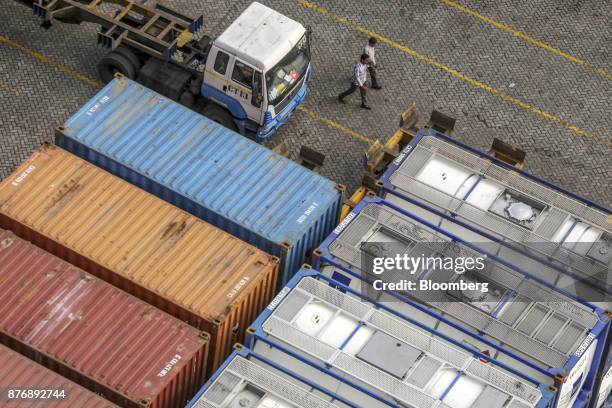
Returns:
point(257, 96)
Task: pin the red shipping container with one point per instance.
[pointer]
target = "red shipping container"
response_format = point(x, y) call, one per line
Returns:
point(19, 373)
point(93, 333)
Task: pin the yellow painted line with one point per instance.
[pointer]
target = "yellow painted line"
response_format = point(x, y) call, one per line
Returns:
point(96, 84)
point(509, 98)
point(49, 61)
point(528, 38)
point(336, 125)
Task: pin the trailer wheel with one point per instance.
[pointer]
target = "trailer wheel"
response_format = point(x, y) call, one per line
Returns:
point(114, 62)
point(219, 115)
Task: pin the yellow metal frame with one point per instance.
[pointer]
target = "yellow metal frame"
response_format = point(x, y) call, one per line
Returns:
point(379, 156)
point(352, 202)
point(508, 159)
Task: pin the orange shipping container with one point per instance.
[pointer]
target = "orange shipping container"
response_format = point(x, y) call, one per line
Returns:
point(139, 243)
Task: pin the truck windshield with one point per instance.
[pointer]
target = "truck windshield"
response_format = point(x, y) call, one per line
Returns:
point(281, 79)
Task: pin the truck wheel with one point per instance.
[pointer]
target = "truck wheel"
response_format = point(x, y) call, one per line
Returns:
point(219, 115)
point(187, 99)
point(112, 63)
point(129, 54)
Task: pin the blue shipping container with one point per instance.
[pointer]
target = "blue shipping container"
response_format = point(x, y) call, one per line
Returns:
point(603, 392)
point(212, 172)
point(524, 313)
point(347, 341)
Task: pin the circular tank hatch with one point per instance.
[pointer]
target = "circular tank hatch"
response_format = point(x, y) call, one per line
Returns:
point(520, 211)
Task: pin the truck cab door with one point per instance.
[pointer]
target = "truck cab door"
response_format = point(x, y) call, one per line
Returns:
point(246, 86)
point(234, 84)
point(217, 72)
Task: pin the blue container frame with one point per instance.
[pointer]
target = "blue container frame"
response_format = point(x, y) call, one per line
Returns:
point(251, 355)
point(387, 187)
point(432, 132)
point(289, 240)
point(601, 330)
point(256, 333)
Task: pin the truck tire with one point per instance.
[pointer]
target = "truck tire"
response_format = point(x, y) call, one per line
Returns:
point(129, 54)
point(112, 63)
point(219, 115)
point(187, 99)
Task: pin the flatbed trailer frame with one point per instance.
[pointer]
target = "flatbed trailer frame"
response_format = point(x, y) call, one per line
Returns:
point(151, 29)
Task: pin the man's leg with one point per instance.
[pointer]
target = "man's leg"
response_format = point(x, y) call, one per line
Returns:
point(364, 101)
point(347, 93)
point(372, 70)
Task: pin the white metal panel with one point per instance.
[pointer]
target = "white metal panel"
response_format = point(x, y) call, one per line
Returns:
point(261, 36)
point(349, 336)
point(510, 206)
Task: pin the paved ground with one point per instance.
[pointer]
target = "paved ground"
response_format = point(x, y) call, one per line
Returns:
point(536, 74)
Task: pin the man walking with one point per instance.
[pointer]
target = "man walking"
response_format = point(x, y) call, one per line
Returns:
point(369, 49)
point(358, 81)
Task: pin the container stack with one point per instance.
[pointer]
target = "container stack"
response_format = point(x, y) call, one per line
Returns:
point(93, 333)
point(124, 293)
point(363, 344)
point(141, 244)
point(137, 253)
point(539, 337)
point(531, 222)
point(520, 313)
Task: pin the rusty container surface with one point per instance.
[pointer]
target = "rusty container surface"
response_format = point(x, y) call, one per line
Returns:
point(93, 333)
point(139, 243)
point(20, 373)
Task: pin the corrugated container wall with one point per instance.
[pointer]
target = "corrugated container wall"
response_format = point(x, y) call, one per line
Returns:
point(139, 243)
point(93, 333)
point(19, 373)
point(206, 169)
